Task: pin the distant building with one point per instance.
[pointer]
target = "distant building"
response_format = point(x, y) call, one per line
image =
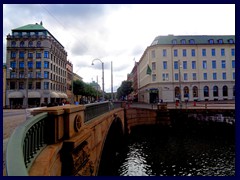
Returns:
point(133, 76)
point(36, 61)
point(187, 68)
point(4, 84)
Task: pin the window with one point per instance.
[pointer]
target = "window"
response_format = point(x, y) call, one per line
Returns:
point(175, 64)
point(21, 54)
point(46, 85)
point(186, 92)
point(225, 91)
point(176, 76)
point(46, 54)
point(12, 85)
point(193, 52)
point(214, 64)
point(206, 91)
point(231, 41)
point(194, 65)
point(183, 41)
point(184, 64)
point(13, 54)
point(38, 44)
point(220, 41)
point(175, 53)
point(30, 55)
point(38, 55)
point(214, 76)
point(194, 76)
point(21, 64)
point(30, 44)
point(185, 76)
point(21, 85)
point(154, 77)
point(233, 75)
point(21, 74)
point(213, 52)
point(153, 66)
point(205, 76)
point(13, 43)
point(233, 63)
point(191, 41)
point(13, 75)
point(222, 52)
point(195, 91)
point(233, 52)
point(184, 51)
point(36, 33)
point(224, 75)
point(38, 64)
point(164, 52)
point(164, 64)
point(203, 52)
point(153, 53)
point(30, 64)
point(177, 92)
point(46, 65)
point(211, 41)
point(30, 74)
point(204, 64)
point(13, 64)
point(234, 90)
point(215, 91)
point(165, 76)
point(38, 74)
point(223, 64)
point(21, 44)
point(174, 41)
point(46, 75)
point(38, 85)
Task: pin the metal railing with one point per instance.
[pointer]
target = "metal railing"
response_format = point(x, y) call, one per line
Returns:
point(97, 109)
point(26, 142)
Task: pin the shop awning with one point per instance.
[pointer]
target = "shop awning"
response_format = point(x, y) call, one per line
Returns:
point(16, 94)
point(62, 95)
point(54, 95)
point(34, 94)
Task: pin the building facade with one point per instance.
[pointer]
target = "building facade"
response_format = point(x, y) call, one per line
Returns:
point(36, 67)
point(187, 68)
point(4, 84)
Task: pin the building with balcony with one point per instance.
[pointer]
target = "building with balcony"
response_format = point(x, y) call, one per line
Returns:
point(187, 68)
point(36, 67)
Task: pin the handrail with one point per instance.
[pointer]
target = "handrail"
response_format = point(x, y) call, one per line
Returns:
point(24, 145)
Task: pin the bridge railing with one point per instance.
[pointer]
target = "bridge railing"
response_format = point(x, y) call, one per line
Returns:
point(25, 144)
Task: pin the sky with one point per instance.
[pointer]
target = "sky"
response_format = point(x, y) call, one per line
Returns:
point(117, 33)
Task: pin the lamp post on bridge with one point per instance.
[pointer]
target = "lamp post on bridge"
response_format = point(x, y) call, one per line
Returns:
point(102, 74)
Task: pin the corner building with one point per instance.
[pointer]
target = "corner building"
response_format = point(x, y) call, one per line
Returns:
point(189, 68)
point(36, 67)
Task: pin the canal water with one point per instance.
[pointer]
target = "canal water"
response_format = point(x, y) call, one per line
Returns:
point(208, 150)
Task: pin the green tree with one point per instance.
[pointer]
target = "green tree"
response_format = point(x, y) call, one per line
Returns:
point(125, 89)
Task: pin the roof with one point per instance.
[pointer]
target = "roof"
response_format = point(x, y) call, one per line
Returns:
point(30, 27)
point(198, 39)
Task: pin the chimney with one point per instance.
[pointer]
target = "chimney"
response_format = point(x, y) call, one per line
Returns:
point(41, 23)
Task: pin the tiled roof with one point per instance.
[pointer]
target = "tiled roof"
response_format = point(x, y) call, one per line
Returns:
point(198, 39)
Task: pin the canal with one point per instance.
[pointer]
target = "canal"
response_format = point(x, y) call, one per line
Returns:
point(207, 149)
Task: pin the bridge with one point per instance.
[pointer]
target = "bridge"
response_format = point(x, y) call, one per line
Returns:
point(69, 140)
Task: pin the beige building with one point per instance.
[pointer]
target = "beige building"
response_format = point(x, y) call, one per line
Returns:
point(36, 61)
point(189, 68)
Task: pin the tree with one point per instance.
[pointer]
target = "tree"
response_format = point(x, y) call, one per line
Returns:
point(125, 89)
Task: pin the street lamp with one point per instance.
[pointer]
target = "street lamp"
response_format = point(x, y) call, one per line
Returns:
point(102, 75)
point(180, 94)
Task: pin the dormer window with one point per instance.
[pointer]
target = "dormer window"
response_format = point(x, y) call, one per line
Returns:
point(231, 41)
point(174, 41)
point(13, 44)
point(220, 41)
point(211, 41)
point(183, 41)
point(191, 41)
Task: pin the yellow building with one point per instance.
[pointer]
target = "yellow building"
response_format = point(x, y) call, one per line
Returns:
point(207, 69)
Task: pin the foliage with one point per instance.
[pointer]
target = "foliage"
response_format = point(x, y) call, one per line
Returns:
point(125, 89)
point(84, 89)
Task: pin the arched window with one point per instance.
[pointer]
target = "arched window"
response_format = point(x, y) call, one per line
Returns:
point(13, 44)
point(234, 90)
point(30, 44)
point(215, 91)
point(177, 92)
point(183, 41)
point(195, 91)
point(21, 44)
point(39, 44)
point(186, 92)
point(206, 91)
point(174, 41)
point(225, 91)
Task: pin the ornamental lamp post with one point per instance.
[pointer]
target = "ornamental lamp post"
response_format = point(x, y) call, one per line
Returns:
point(102, 74)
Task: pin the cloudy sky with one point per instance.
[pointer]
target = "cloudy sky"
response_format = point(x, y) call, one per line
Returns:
point(116, 32)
